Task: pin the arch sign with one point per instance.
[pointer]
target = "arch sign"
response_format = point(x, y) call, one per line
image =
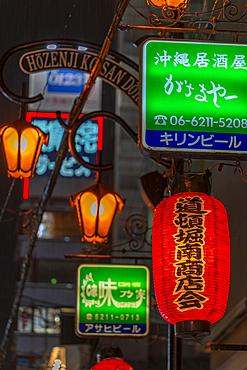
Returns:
point(67, 56)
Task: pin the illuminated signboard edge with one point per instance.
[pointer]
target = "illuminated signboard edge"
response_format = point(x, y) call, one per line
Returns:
point(152, 151)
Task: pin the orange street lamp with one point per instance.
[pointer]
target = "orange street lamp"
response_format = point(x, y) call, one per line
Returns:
point(21, 146)
point(96, 208)
point(176, 3)
point(182, 4)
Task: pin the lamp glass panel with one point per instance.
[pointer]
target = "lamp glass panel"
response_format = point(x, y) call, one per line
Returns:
point(10, 143)
point(108, 206)
point(29, 142)
point(88, 208)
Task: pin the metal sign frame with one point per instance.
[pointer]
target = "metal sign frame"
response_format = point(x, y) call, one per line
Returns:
point(117, 306)
point(75, 55)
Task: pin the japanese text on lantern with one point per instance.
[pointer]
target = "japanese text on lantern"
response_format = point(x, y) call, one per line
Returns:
point(189, 268)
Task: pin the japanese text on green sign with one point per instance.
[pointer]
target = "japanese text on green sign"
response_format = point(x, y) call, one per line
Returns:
point(193, 97)
point(113, 300)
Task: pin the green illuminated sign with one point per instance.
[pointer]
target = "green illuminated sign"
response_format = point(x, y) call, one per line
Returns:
point(112, 300)
point(193, 97)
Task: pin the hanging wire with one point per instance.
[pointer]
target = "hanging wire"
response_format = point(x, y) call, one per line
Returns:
point(202, 343)
point(203, 10)
point(212, 11)
point(215, 4)
point(219, 15)
point(239, 167)
point(43, 93)
point(29, 214)
point(7, 198)
point(68, 19)
point(11, 210)
point(137, 11)
point(189, 163)
point(7, 220)
point(155, 336)
point(209, 168)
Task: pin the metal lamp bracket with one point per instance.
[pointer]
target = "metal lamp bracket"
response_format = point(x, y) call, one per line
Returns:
point(177, 20)
point(72, 132)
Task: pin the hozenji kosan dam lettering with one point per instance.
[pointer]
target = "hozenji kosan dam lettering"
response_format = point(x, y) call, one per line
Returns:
point(112, 72)
point(189, 268)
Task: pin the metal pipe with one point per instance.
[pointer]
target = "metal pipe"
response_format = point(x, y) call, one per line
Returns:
point(99, 62)
point(170, 347)
point(128, 27)
point(178, 353)
point(105, 256)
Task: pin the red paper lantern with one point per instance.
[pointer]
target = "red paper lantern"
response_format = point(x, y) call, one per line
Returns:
point(191, 262)
point(112, 364)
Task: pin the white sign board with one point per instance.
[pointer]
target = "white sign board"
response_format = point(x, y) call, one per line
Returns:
point(60, 88)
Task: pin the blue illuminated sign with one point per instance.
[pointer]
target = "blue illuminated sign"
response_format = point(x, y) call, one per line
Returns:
point(65, 81)
point(86, 140)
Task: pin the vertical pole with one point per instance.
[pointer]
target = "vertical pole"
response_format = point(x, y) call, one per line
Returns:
point(99, 147)
point(178, 353)
point(23, 105)
point(99, 62)
point(174, 350)
point(170, 348)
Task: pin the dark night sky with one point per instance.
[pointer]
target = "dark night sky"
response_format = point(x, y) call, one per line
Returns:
point(32, 20)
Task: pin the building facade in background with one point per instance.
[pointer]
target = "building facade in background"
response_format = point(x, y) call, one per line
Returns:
point(46, 318)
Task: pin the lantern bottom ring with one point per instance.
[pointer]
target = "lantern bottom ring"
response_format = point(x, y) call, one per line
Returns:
point(192, 329)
